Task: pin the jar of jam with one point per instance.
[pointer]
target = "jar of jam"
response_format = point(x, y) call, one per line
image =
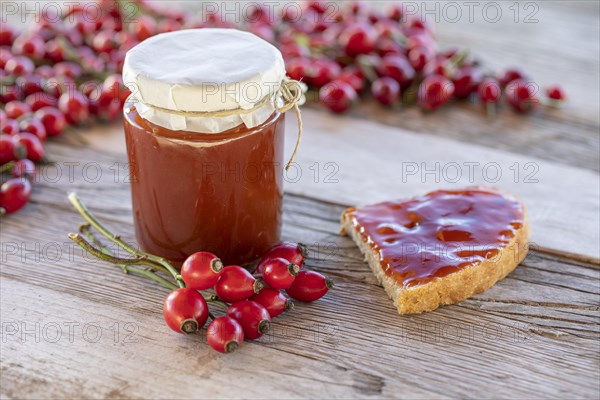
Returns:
point(204, 129)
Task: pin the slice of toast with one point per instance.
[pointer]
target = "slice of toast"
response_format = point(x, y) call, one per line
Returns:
point(440, 248)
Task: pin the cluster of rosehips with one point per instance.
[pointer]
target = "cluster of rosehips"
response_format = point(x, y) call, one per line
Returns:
point(252, 301)
point(344, 53)
point(63, 72)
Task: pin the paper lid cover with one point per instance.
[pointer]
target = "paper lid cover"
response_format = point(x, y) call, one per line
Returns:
point(203, 70)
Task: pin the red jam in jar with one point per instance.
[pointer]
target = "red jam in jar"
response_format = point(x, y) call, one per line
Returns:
point(219, 191)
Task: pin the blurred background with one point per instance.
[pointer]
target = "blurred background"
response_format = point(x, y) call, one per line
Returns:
point(550, 43)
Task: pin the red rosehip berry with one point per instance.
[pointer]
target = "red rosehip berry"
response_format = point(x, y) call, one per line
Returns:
point(10, 93)
point(253, 317)
point(53, 120)
point(68, 69)
point(358, 38)
point(398, 68)
point(556, 96)
point(309, 286)
point(489, 91)
point(421, 39)
point(103, 42)
point(510, 75)
point(10, 150)
point(395, 13)
point(15, 109)
point(114, 86)
point(236, 284)
point(317, 6)
point(521, 96)
point(434, 92)
point(74, 106)
point(185, 310)
point(224, 334)
point(352, 78)
point(7, 35)
point(439, 67)
point(292, 252)
point(45, 71)
point(29, 84)
point(34, 126)
point(419, 56)
point(201, 270)
point(5, 55)
point(466, 81)
point(338, 96)
point(19, 65)
point(38, 100)
point(29, 45)
point(55, 51)
point(279, 273)
point(387, 46)
point(385, 90)
point(273, 300)
point(33, 146)
point(14, 194)
point(298, 68)
point(9, 127)
point(145, 27)
point(24, 168)
point(323, 71)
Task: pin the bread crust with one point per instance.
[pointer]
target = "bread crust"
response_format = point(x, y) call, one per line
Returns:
point(451, 288)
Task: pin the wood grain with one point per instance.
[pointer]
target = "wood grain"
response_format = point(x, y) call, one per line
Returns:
point(534, 334)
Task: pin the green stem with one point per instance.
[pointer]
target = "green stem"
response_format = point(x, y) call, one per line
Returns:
point(151, 275)
point(91, 219)
point(125, 263)
point(85, 230)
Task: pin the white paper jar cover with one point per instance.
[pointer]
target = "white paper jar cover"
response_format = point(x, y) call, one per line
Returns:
point(203, 70)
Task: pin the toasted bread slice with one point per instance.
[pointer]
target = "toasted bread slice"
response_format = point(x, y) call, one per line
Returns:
point(440, 248)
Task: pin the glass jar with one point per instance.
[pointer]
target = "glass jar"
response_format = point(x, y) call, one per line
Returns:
point(219, 191)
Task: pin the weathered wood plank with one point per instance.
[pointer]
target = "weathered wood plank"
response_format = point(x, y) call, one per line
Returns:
point(533, 334)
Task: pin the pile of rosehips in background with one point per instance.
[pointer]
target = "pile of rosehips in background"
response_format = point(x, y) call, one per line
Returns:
point(65, 71)
point(59, 73)
point(394, 58)
point(251, 300)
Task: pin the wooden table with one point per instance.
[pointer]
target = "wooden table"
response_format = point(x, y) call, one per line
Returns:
point(76, 328)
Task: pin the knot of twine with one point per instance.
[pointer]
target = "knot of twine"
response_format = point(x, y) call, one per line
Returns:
point(290, 91)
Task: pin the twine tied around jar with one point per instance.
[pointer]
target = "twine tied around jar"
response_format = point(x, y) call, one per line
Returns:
point(289, 90)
